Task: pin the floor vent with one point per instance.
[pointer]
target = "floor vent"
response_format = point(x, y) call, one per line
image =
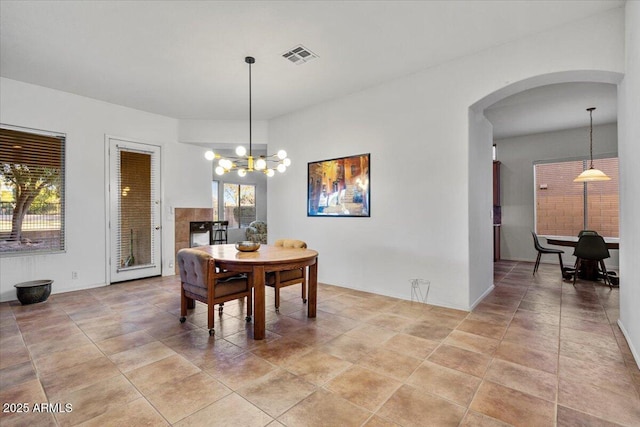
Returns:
point(299, 55)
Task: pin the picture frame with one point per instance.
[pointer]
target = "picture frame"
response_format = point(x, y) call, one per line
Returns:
point(339, 187)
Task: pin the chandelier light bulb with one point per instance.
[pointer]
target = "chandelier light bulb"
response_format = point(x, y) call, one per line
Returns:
point(270, 172)
point(226, 164)
point(209, 155)
point(241, 151)
point(219, 170)
point(286, 162)
point(281, 168)
point(282, 154)
point(261, 164)
point(242, 172)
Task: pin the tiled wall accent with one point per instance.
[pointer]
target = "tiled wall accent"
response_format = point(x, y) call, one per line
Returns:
point(183, 217)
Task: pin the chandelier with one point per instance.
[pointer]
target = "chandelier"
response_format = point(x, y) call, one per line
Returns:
point(592, 174)
point(243, 163)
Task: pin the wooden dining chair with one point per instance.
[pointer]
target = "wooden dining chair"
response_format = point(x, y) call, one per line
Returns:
point(201, 282)
point(280, 279)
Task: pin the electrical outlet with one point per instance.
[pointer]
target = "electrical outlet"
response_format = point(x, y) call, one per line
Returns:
point(74, 275)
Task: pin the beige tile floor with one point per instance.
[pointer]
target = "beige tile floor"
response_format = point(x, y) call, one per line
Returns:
point(536, 351)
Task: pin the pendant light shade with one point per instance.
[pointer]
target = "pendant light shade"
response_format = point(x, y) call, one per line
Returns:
point(592, 174)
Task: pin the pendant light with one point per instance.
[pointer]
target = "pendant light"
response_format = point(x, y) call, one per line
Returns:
point(592, 174)
point(243, 163)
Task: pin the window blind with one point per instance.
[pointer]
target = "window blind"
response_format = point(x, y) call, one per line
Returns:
point(32, 190)
point(134, 236)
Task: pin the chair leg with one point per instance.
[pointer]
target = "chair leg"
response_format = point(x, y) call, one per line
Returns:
point(277, 292)
point(249, 308)
point(535, 267)
point(607, 281)
point(561, 264)
point(183, 305)
point(210, 316)
point(304, 285)
point(575, 274)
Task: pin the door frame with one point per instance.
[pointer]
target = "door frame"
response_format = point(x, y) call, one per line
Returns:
point(107, 156)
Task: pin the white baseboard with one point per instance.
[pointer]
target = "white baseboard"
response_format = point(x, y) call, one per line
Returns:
point(481, 297)
point(634, 352)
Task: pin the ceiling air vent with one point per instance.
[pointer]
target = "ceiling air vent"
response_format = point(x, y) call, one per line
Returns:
point(299, 55)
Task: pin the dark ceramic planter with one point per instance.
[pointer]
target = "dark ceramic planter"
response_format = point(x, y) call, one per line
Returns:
point(33, 291)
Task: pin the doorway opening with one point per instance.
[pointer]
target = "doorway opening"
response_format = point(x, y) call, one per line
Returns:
point(481, 142)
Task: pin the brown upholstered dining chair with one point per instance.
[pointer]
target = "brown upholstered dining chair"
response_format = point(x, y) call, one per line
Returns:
point(280, 279)
point(543, 250)
point(593, 248)
point(200, 281)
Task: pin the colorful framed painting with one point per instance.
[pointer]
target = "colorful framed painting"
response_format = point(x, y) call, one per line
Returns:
point(339, 187)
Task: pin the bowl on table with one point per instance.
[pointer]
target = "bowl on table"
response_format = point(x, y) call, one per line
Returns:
point(247, 246)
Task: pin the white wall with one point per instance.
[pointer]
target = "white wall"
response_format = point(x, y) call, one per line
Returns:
point(185, 177)
point(480, 205)
point(223, 133)
point(417, 130)
point(629, 152)
point(517, 193)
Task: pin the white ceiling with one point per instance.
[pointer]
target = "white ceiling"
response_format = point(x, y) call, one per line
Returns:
point(185, 59)
point(553, 107)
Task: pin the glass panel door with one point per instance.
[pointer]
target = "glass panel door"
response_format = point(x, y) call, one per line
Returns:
point(134, 210)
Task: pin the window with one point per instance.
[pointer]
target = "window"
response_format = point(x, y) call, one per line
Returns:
point(239, 204)
point(215, 199)
point(564, 207)
point(32, 165)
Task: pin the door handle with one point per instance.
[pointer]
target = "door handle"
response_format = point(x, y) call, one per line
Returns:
point(157, 227)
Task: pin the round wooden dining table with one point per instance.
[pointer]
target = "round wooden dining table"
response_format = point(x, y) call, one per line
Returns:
point(266, 259)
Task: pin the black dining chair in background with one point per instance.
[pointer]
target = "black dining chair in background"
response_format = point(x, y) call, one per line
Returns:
point(592, 247)
point(542, 250)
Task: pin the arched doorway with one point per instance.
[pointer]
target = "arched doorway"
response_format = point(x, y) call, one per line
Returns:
point(480, 172)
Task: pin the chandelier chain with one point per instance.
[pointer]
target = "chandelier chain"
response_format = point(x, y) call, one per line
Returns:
point(592, 174)
point(250, 121)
